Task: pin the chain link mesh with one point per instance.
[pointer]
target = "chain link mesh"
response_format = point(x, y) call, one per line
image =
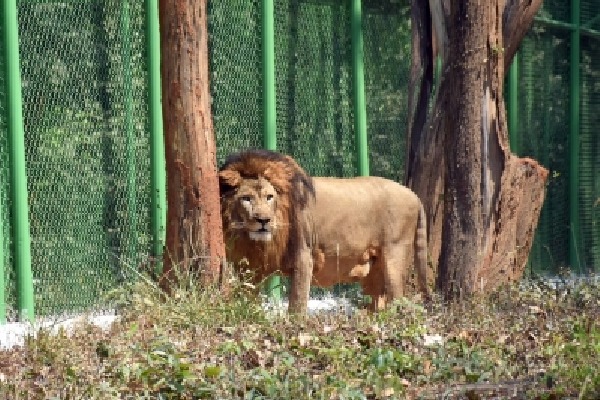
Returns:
point(85, 114)
point(557, 10)
point(387, 73)
point(589, 164)
point(315, 110)
point(543, 135)
point(590, 14)
point(544, 125)
point(235, 74)
point(87, 149)
point(314, 85)
point(5, 231)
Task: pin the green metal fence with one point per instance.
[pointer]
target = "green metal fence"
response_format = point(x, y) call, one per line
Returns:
point(92, 126)
point(17, 189)
point(7, 279)
point(556, 109)
point(314, 88)
point(315, 102)
point(88, 139)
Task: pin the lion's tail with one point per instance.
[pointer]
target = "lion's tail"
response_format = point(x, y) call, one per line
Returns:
point(420, 254)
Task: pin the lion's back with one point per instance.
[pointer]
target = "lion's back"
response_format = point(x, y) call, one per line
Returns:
point(361, 193)
point(365, 211)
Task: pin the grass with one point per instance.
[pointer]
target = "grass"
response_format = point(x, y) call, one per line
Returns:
point(527, 341)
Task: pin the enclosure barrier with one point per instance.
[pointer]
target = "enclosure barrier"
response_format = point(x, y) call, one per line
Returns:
point(358, 86)
point(574, 238)
point(158, 176)
point(285, 74)
point(18, 176)
point(553, 108)
point(273, 285)
point(91, 140)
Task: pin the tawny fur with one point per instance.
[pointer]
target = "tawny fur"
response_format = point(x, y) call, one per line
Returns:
point(295, 189)
point(367, 230)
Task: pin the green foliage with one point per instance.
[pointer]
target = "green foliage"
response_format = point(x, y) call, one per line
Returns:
point(536, 341)
point(84, 91)
point(313, 81)
point(87, 150)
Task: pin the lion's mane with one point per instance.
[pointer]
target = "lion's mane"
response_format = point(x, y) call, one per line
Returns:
point(295, 191)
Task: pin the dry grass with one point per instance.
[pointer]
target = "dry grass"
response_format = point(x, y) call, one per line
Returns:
point(532, 341)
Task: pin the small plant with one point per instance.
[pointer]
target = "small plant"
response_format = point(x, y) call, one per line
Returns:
point(527, 340)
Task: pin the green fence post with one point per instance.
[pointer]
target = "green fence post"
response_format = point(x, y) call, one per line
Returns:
point(268, 58)
point(513, 104)
point(269, 108)
point(574, 238)
point(157, 147)
point(358, 89)
point(129, 134)
point(18, 175)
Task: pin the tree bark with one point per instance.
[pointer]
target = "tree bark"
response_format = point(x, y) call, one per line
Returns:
point(194, 227)
point(483, 202)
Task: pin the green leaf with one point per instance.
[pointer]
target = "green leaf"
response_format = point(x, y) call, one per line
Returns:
point(212, 371)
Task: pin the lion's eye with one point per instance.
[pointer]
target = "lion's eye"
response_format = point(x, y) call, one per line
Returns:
point(245, 199)
point(269, 197)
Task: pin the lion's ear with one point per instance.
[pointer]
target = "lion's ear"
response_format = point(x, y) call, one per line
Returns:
point(229, 179)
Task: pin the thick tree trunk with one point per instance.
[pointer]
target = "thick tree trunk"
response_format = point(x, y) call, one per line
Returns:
point(194, 228)
point(483, 202)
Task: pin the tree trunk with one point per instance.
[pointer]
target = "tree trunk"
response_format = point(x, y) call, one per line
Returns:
point(483, 202)
point(194, 228)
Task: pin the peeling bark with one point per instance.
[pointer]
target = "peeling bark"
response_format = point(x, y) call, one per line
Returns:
point(421, 76)
point(194, 227)
point(516, 21)
point(483, 203)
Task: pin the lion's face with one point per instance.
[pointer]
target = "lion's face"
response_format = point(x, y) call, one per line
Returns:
point(264, 202)
point(255, 202)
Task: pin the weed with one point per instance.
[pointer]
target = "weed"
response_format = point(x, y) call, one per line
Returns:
point(527, 341)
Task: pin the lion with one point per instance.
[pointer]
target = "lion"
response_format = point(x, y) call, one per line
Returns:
point(321, 230)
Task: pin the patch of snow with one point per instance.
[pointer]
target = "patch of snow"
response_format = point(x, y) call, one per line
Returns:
point(315, 306)
point(431, 340)
point(572, 281)
point(14, 333)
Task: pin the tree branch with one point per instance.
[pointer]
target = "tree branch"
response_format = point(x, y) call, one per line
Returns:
point(516, 21)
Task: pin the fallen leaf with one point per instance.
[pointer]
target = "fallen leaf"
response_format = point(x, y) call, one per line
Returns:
point(253, 359)
point(536, 310)
point(427, 367)
point(304, 339)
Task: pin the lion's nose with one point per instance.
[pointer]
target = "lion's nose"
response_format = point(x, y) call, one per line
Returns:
point(263, 221)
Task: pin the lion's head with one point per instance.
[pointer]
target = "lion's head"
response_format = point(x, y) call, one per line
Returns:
point(263, 194)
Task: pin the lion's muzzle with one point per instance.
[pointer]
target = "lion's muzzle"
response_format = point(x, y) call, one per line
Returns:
point(261, 235)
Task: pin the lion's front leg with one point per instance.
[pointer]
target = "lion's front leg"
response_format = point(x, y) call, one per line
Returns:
point(300, 283)
point(374, 285)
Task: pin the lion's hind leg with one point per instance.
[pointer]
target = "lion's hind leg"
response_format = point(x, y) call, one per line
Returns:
point(373, 285)
point(397, 258)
